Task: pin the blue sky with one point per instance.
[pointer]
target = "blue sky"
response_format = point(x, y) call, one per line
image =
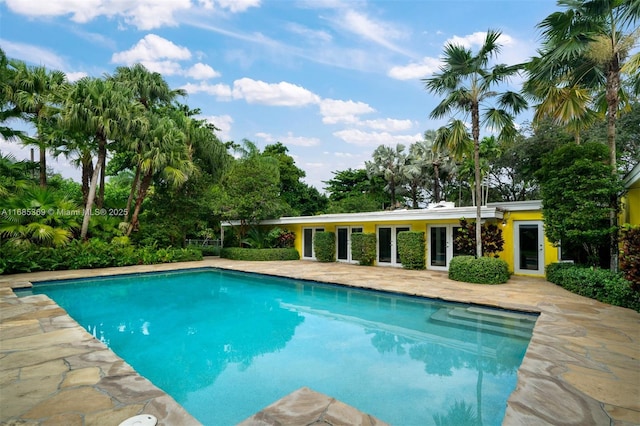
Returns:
point(330, 79)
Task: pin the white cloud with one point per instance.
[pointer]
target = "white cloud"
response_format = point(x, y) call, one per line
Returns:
point(311, 34)
point(335, 111)
point(32, 54)
point(477, 39)
point(280, 94)
point(222, 122)
point(151, 48)
point(163, 67)
point(388, 124)
point(75, 76)
point(201, 71)
point(289, 139)
point(236, 6)
point(381, 33)
point(373, 139)
point(221, 91)
point(157, 54)
point(343, 154)
point(39, 56)
point(143, 14)
point(415, 70)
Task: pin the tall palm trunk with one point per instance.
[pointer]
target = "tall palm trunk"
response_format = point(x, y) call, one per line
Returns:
point(475, 120)
point(613, 100)
point(144, 187)
point(103, 167)
point(87, 173)
point(43, 166)
point(92, 188)
point(135, 187)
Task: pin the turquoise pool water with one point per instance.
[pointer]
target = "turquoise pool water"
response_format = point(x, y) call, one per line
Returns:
point(226, 344)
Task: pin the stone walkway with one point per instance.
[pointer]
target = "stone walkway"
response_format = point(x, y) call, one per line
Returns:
point(582, 366)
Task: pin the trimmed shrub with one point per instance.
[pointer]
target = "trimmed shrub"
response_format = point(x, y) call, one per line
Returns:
point(411, 248)
point(596, 283)
point(555, 271)
point(238, 253)
point(324, 244)
point(483, 270)
point(363, 248)
point(94, 253)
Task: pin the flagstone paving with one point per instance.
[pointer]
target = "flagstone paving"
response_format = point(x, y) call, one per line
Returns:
point(582, 366)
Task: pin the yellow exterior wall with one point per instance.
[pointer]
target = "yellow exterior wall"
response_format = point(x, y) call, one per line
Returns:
point(551, 252)
point(508, 230)
point(631, 205)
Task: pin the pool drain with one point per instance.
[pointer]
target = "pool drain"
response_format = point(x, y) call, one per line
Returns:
point(140, 420)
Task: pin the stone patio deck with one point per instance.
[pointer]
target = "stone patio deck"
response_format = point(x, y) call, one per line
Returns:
point(582, 366)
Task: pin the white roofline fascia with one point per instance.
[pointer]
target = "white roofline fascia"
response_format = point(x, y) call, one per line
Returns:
point(516, 206)
point(487, 212)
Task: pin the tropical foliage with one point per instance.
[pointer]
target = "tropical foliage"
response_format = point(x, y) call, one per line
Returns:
point(468, 83)
point(585, 68)
point(577, 187)
point(161, 173)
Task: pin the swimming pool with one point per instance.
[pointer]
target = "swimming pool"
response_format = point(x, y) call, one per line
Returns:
point(226, 344)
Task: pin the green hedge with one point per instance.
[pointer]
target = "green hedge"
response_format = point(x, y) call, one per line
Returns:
point(483, 270)
point(324, 245)
point(206, 250)
point(599, 284)
point(238, 253)
point(363, 248)
point(86, 255)
point(411, 248)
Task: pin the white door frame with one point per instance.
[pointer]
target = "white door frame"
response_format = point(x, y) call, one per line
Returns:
point(350, 230)
point(529, 258)
point(394, 244)
point(313, 229)
point(448, 246)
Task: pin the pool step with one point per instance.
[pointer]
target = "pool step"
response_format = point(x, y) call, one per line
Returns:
point(510, 323)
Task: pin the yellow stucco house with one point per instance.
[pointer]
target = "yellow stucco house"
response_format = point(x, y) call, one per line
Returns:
point(526, 249)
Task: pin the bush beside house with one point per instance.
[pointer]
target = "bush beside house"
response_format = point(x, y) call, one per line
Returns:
point(600, 284)
point(411, 247)
point(363, 248)
point(324, 245)
point(483, 270)
point(240, 253)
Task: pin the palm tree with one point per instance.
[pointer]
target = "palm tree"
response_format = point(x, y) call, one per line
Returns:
point(468, 82)
point(14, 175)
point(7, 109)
point(45, 226)
point(101, 110)
point(437, 159)
point(35, 93)
point(585, 55)
point(414, 171)
point(387, 163)
point(202, 142)
point(151, 90)
point(164, 155)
